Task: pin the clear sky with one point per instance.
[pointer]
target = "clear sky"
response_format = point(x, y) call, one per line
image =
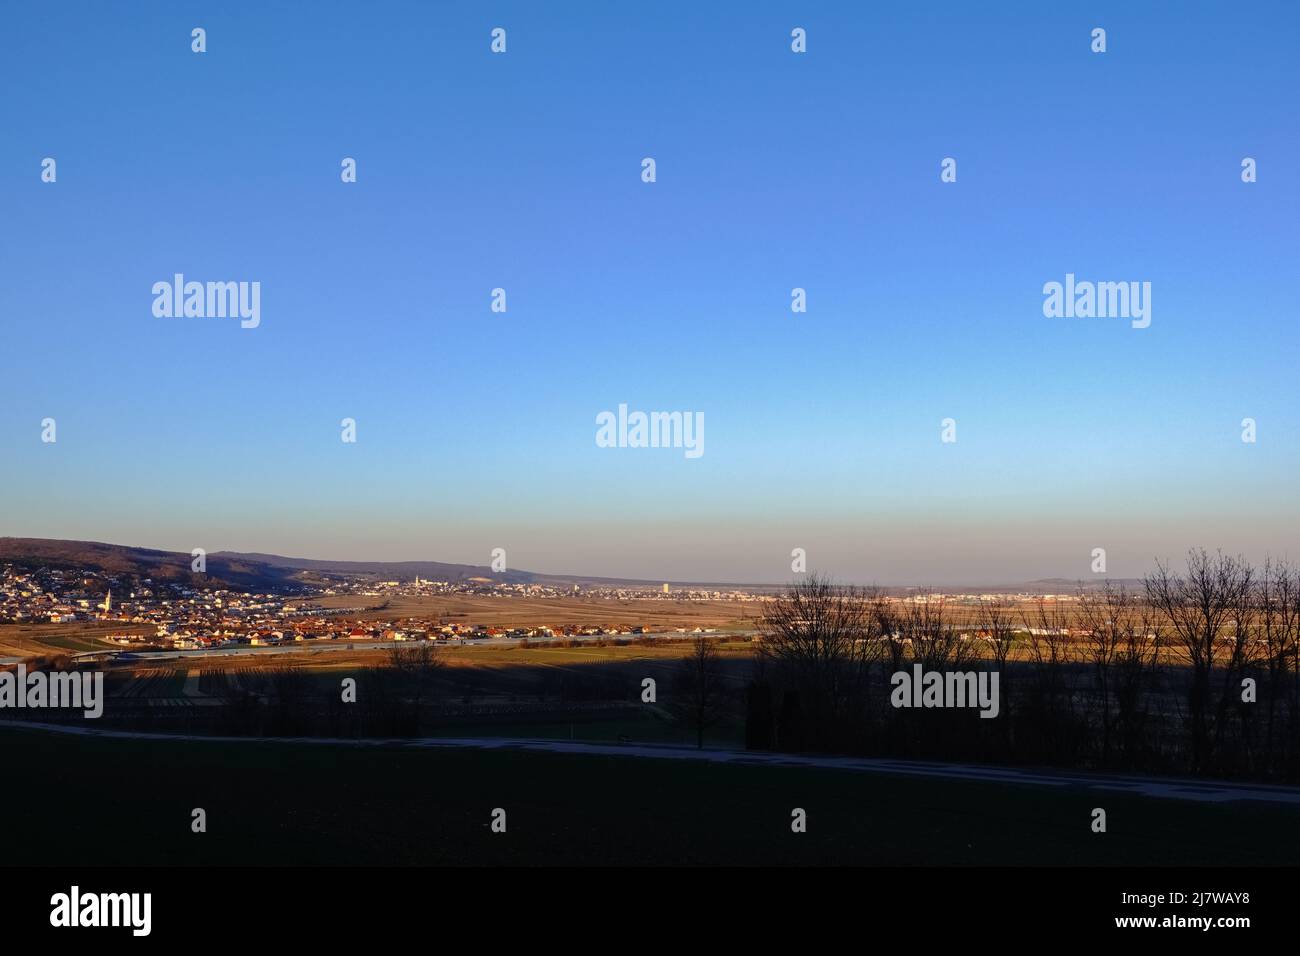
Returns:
point(820, 170)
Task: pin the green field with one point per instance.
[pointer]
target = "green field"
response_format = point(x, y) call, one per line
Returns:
point(78, 801)
point(30, 641)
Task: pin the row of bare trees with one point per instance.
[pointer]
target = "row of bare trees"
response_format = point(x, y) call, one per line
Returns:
point(1198, 670)
point(1236, 628)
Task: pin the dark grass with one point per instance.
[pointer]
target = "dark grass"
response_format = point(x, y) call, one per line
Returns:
point(647, 729)
point(82, 801)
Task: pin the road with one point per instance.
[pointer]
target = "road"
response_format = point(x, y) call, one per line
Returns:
point(1202, 791)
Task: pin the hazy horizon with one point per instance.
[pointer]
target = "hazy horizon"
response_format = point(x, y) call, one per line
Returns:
point(1089, 579)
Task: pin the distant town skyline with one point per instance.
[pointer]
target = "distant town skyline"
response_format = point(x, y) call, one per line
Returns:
point(775, 171)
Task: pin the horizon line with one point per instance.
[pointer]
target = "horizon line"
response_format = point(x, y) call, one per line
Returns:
point(1072, 583)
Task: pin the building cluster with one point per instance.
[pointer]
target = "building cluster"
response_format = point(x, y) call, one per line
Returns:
point(488, 587)
point(179, 616)
point(975, 600)
point(149, 611)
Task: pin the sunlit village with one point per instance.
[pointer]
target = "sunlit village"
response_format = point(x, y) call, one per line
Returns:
point(166, 615)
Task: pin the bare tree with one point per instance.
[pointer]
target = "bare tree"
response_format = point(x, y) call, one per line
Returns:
point(1137, 670)
point(1121, 642)
point(1048, 724)
point(1204, 607)
point(1048, 625)
point(931, 638)
point(699, 690)
point(997, 628)
point(1278, 604)
point(819, 643)
point(1099, 617)
point(417, 664)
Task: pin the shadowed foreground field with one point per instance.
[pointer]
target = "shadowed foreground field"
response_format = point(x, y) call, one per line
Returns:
point(84, 801)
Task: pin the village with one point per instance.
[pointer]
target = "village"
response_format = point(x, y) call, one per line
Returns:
point(173, 616)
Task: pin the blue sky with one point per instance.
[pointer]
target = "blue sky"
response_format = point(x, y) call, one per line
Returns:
point(775, 170)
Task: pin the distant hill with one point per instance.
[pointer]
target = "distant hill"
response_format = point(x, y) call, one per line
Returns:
point(256, 572)
point(1071, 585)
point(171, 566)
point(378, 570)
point(435, 571)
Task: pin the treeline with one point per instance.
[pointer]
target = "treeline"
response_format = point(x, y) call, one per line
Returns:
point(1197, 672)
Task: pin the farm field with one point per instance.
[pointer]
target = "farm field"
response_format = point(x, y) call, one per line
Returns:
point(531, 612)
point(32, 640)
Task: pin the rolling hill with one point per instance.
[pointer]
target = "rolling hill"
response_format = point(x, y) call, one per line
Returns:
point(257, 572)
